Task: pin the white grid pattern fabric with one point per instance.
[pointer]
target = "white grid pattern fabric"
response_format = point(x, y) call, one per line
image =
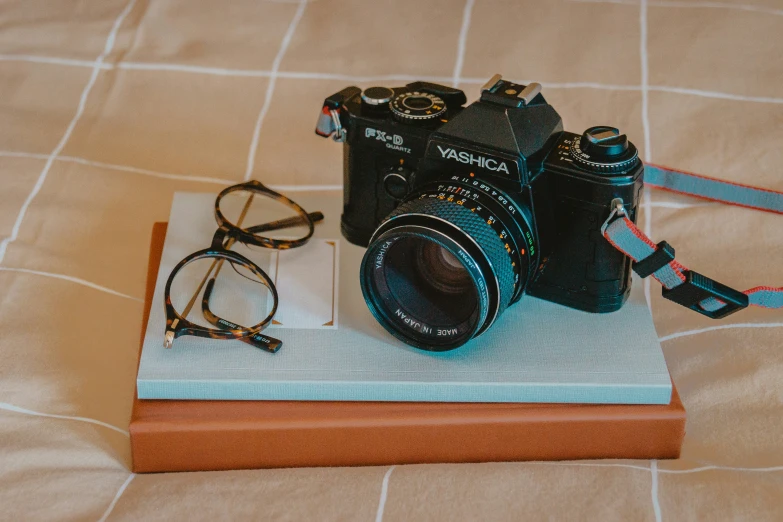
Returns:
point(108, 107)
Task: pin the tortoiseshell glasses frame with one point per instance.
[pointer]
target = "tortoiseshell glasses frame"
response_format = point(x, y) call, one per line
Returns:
point(226, 235)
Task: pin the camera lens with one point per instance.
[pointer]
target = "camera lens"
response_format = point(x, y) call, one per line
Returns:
point(439, 270)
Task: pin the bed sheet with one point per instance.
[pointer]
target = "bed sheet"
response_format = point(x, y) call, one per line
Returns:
point(107, 107)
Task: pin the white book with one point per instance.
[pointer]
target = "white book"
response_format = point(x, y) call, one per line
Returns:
point(333, 348)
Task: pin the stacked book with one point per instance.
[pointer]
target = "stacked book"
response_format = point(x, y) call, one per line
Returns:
point(544, 383)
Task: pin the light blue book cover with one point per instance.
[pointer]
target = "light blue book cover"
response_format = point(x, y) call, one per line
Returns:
point(333, 349)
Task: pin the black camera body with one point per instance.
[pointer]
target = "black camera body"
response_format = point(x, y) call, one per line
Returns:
point(384, 149)
point(415, 158)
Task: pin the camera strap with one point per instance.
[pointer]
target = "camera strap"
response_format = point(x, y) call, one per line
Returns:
point(681, 285)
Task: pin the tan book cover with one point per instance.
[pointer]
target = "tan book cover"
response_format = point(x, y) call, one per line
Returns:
point(175, 435)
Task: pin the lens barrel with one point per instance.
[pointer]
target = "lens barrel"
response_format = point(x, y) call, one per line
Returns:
point(446, 263)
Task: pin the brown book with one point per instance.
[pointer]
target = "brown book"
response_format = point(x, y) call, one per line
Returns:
point(176, 435)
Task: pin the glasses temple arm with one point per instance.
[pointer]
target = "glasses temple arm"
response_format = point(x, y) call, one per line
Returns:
point(285, 223)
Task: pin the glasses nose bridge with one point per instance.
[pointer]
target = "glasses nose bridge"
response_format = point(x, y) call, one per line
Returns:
point(219, 238)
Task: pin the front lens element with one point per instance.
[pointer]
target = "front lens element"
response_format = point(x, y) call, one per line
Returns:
point(424, 288)
point(438, 268)
point(429, 282)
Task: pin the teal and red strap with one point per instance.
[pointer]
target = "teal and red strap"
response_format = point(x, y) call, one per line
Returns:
point(681, 285)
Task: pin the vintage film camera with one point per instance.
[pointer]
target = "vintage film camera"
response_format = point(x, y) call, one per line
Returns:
point(464, 209)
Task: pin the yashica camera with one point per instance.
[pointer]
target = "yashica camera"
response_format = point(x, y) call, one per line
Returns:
point(465, 209)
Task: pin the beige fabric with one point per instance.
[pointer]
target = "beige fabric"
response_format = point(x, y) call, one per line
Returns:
point(185, 92)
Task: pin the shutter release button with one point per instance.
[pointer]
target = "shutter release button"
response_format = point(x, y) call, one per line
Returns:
point(377, 96)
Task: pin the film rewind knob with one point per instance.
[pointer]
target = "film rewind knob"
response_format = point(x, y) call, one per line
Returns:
point(604, 150)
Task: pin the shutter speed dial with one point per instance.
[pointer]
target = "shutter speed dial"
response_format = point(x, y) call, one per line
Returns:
point(604, 150)
point(411, 107)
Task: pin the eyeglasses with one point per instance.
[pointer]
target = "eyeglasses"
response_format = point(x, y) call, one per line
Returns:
point(228, 233)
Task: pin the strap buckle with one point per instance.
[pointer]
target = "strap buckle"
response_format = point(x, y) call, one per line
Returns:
point(663, 255)
point(329, 123)
point(706, 296)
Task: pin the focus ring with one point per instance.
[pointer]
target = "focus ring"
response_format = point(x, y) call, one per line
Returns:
point(478, 230)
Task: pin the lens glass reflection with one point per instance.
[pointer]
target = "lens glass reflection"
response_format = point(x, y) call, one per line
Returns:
point(429, 282)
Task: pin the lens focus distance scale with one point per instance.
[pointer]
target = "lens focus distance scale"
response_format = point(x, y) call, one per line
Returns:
point(417, 106)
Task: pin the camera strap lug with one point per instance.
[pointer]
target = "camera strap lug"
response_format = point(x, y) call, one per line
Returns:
point(683, 286)
point(329, 123)
point(618, 209)
point(339, 133)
